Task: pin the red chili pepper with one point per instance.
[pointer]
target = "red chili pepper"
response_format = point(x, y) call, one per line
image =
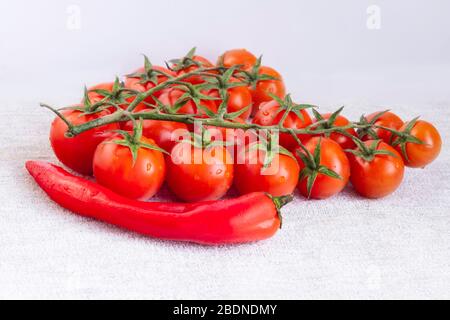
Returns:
point(248, 218)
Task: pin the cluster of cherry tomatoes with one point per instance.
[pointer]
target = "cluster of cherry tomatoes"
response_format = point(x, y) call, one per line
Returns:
point(134, 158)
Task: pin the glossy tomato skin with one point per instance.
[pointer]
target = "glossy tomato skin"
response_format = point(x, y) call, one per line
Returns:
point(265, 87)
point(268, 115)
point(114, 169)
point(238, 99)
point(135, 84)
point(208, 178)
point(379, 177)
point(164, 133)
point(237, 57)
point(278, 179)
point(170, 96)
point(420, 155)
point(77, 152)
point(205, 63)
point(388, 120)
point(344, 141)
point(331, 156)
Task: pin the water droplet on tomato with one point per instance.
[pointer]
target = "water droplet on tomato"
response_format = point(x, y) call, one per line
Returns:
point(219, 171)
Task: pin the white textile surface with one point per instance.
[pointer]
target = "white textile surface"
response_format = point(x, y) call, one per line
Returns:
point(345, 247)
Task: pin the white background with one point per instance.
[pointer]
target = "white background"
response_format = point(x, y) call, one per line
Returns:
point(314, 44)
point(345, 247)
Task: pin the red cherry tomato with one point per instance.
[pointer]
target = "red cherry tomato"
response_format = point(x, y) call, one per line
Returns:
point(196, 79)
point(236, 139)
point(420, 155)
point(378, 177)
point(278, 179)
point(344, 141)
point(199, 174)
point(388, 120)
point(114, 169)
point(77, 152)
point(333, 158)
point(162, 132)
point(135, 83)
point(269, 114)
point(171, 95)
point(125, 98)
point(265, 87)
point(95, 96)
point(238, 99)
point(237, 57)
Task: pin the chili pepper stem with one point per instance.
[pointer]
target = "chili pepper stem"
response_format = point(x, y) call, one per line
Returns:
point(282, 201)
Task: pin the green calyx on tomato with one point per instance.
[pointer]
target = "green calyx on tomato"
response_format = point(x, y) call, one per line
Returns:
point(203, 139)
point(239, 96)
point(222, 111)
point(223, 82)
point(268, 143)
point(184, 62)
point(253, 76)
point(369, 130)
point(116, 97)
point(194, 93)
point(404, 137)
point(368, 153)
point(133, 140)
point(382, 125)
point(149, 74)
point(313, 167)
point(287, 105)
point(189, 60)
point(322, 123)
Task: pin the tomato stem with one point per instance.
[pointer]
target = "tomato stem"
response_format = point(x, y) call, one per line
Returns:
point(215, 77)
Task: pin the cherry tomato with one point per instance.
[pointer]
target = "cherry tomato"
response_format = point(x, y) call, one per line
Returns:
point(135, 83)
point(278, 179)
point(388, 120)
point(236, 139)
point(199, 174)
point(77, 152)
point(378, 177)
point(237, 57)
point(196, 79)
point(238, 99)
point(265, 87)
point(162, 132)
point(333, 158)
point(269, 114)
point(123, 99)
point(171, 95)
point(420, 155)
point(114, 169)
point(95, 96)
point(344, 141)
